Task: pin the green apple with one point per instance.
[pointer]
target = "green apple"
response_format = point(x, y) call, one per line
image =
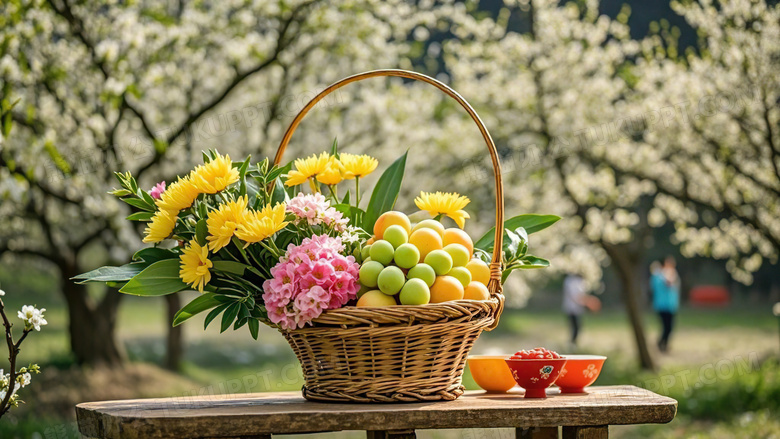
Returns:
point(382, 252)
point(396, 235)
point(440, 261)
point(415, 292)
point(369, 273)
point(462, 274)
point(391, 280)
point(364, 252)
point(423, 272)
point(459, 254)
point(406, 256)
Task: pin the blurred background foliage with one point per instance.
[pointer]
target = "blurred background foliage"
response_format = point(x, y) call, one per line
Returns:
point(652, 128)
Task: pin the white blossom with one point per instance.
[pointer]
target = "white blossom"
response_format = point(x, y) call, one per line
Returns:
point(32, 317)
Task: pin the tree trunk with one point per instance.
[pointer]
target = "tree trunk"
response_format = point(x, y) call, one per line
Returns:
point(175, 349)
point(628, 266)
point(91, 325)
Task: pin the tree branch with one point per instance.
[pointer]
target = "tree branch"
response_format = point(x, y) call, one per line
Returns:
point(281, 44)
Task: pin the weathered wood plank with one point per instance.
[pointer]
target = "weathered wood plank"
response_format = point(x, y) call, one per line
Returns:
point(398, 434)
point(537, 433)
point(597, 432)
point(227, 416)
point(261, 436)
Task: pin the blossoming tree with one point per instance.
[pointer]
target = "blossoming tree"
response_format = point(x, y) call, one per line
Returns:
point(144, 86)
point(715, 162)
point(624, 135)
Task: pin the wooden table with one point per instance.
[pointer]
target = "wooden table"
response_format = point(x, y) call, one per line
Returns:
point(258, 416)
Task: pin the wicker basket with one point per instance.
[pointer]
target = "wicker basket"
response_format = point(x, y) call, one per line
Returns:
point(399, 353)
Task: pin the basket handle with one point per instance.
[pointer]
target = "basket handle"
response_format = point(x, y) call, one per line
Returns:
point(494, 286)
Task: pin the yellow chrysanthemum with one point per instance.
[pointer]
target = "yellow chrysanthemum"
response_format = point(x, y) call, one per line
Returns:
point(357, 165)
point(307, 168)
point(178, 196)
point(194, 266)
point(222, 223)
point(215, 175)
point(161, 226)
point(444, 203)
point(261, 224)
point(333, 172)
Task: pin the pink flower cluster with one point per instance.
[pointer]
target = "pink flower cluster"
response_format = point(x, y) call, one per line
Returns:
point(157, 190)
point(310, 278)
point(315, 209)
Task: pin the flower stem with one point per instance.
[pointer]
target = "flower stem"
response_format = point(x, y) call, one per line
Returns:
point(357, 192)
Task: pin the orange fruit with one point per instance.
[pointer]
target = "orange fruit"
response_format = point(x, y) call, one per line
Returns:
point(388, 219)
point(446, 288)
point(426, 240)
point(376, 298)
point(476, 291)
point(370, 241)
point(480, 271)
point(458, 236)
point(429, 224)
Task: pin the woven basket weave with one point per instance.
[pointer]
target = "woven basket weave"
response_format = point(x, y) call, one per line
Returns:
point(398, 353)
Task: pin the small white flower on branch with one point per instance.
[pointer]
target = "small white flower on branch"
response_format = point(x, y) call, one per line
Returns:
point(24, 379)
point(32, 317)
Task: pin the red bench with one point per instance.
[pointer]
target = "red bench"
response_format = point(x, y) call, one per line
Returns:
point(709, 296)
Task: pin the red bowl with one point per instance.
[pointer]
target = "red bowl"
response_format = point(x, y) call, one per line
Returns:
point(535, 375)
point(579, 372)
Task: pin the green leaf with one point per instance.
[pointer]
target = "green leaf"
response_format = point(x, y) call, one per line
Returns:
point(146, 197)
point(120, 192)
point(353, 213)
point(214, 313)
point(230, 267)
point(110, 274)
point(229, 316)
point(274, 173)
point(242, 318)
point(482, 255)
point(140, 216)
point(385, 192)
point(279, 195)
point(201, 231)
point(512, 243)
point(334, 150)
point(531, 222)
point(154, 254)
point(140, 204)
point(530, 261)
point(254, 327)
point(7, 124)
point(262, 167)
point(242, 176)
point(198, 305)
point(158, 279)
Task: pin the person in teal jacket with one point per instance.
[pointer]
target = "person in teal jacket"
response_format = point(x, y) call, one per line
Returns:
point(665, 284)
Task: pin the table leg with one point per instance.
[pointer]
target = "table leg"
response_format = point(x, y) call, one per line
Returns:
point(597, 432)
point(537, 433)
point(393, 434)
